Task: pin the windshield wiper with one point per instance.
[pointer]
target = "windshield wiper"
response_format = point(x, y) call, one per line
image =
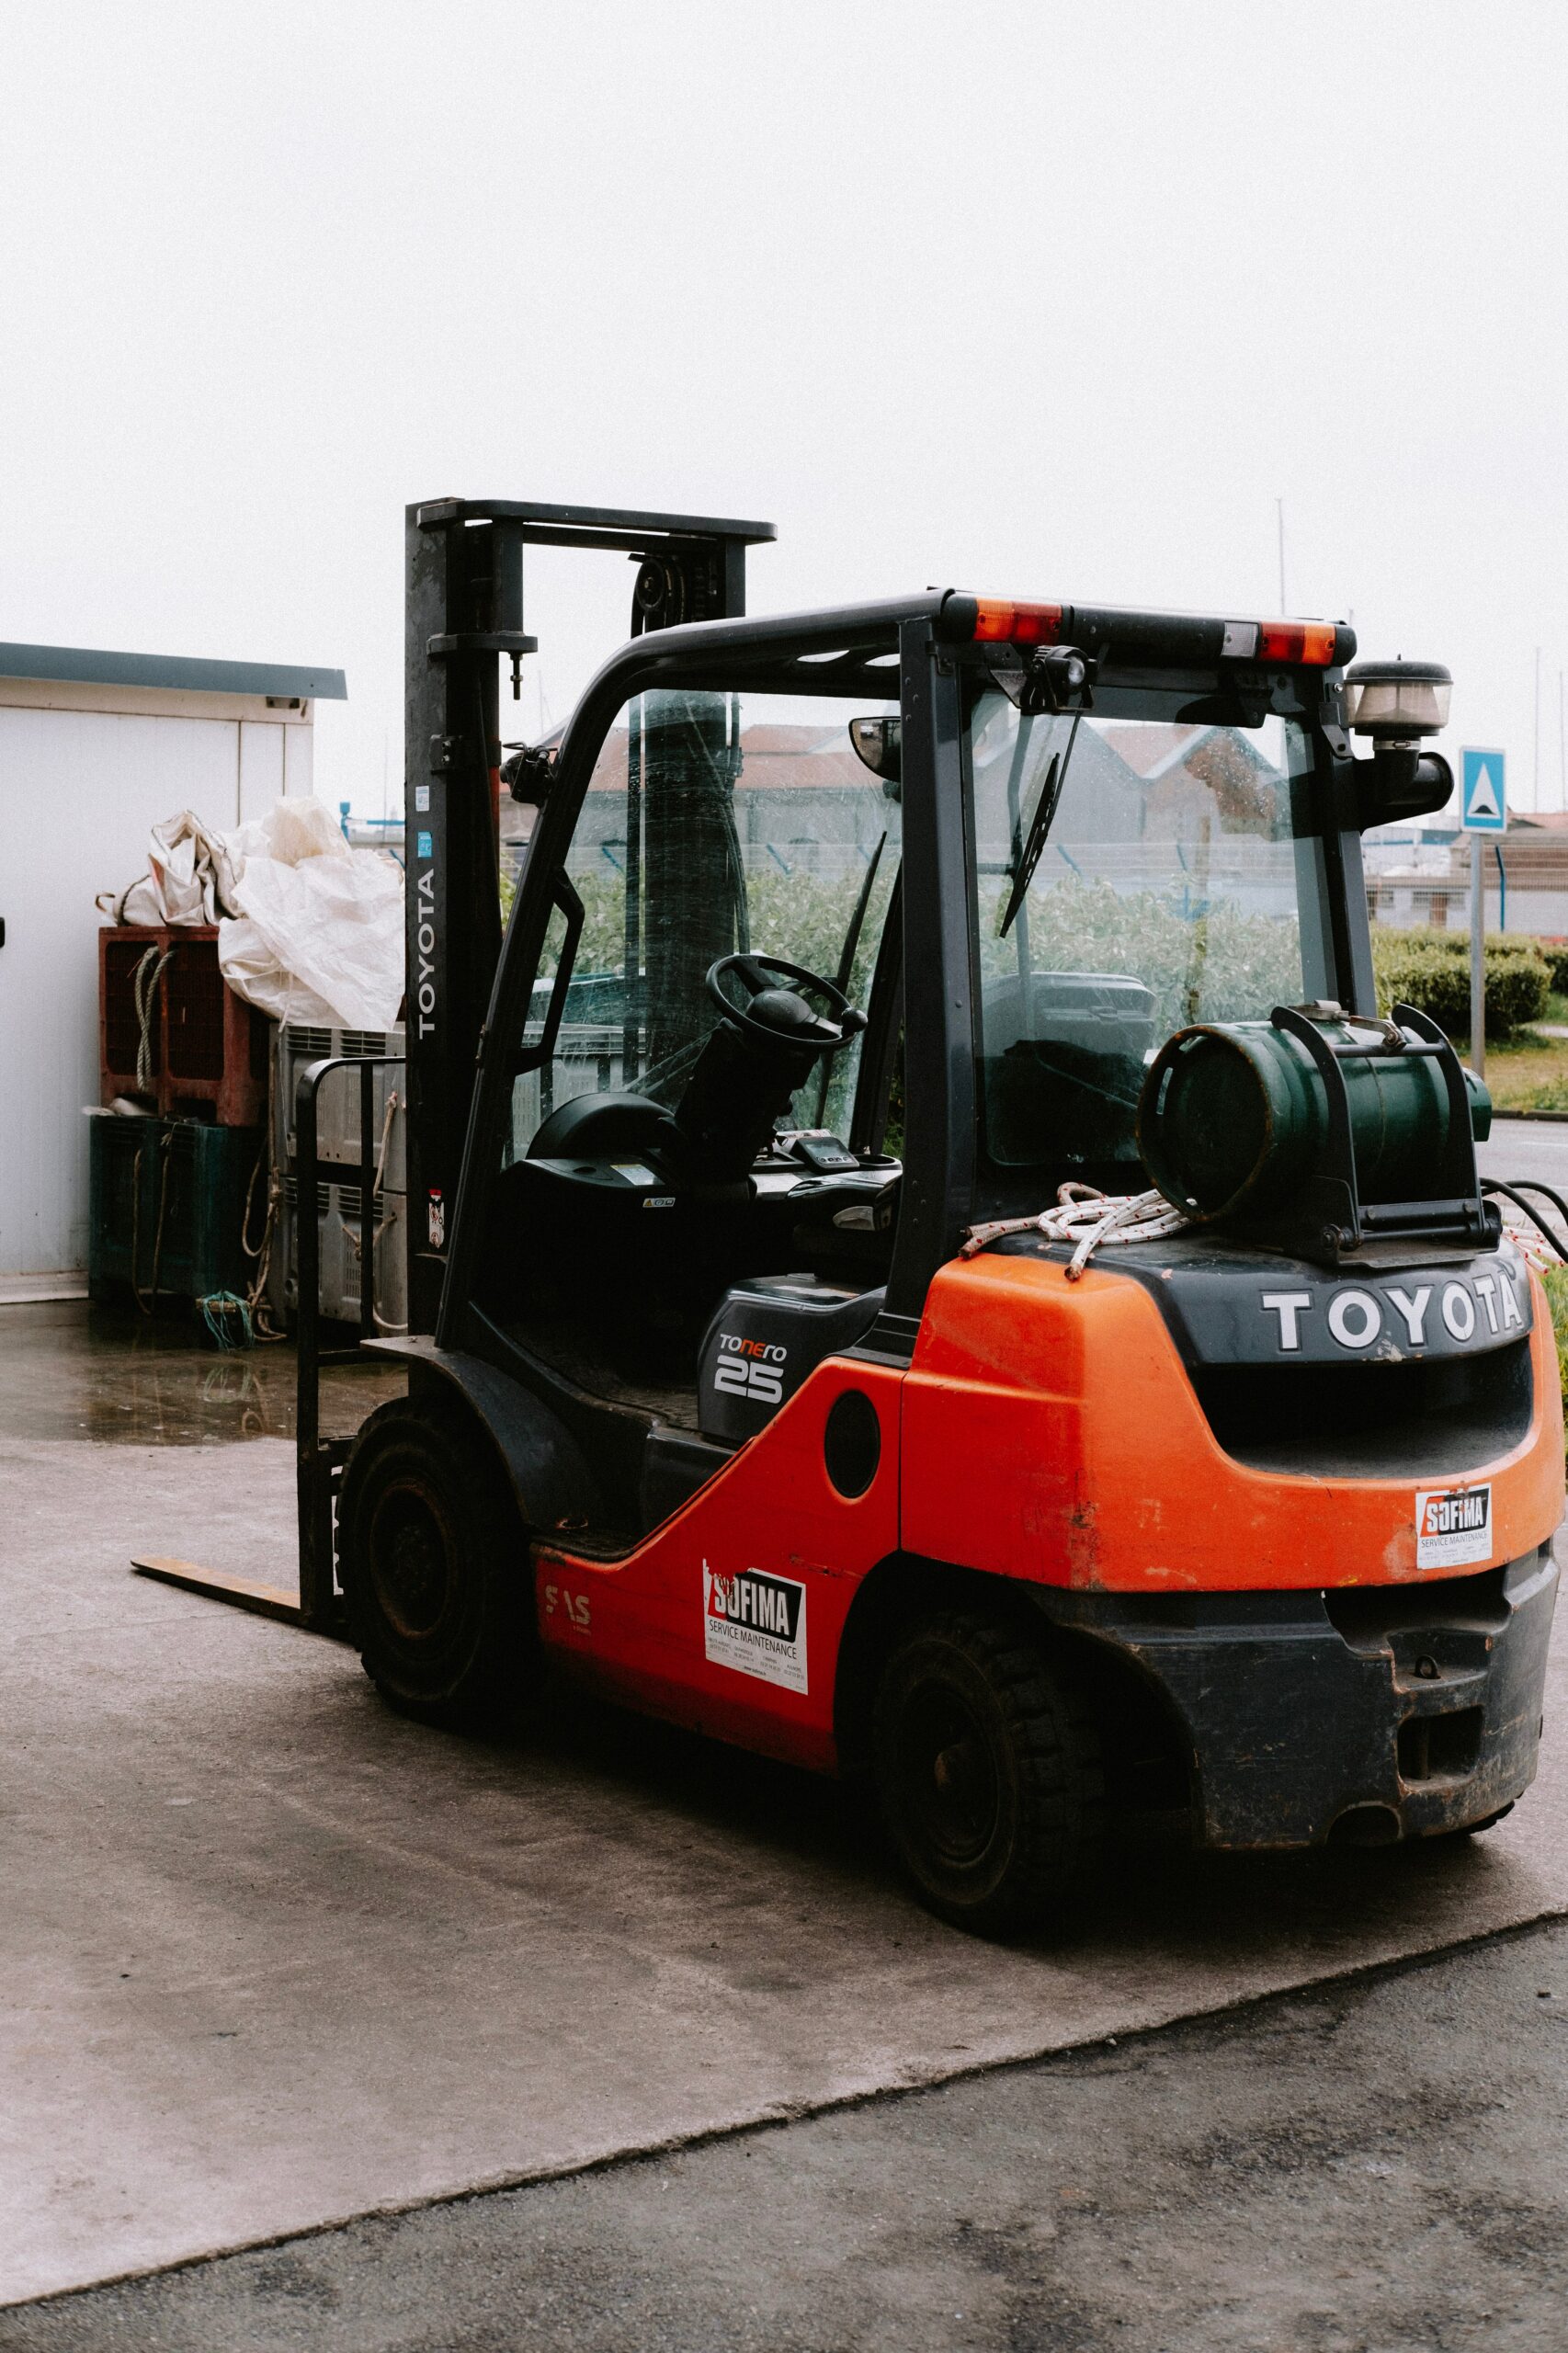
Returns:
point(846, 959)
point(1039, 826)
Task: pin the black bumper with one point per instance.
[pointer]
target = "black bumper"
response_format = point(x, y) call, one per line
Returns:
point(1369, 1713)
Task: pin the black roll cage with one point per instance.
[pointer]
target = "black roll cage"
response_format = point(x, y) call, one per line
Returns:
point(858, 652)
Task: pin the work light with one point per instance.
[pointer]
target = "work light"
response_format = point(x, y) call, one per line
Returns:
point(1396, 701)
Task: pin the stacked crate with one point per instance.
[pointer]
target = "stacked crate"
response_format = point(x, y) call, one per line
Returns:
point(168, 1190)
point(166, 1202)
point(205, 1054)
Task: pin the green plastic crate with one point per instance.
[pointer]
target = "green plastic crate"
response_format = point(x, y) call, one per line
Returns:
point(198, 1175)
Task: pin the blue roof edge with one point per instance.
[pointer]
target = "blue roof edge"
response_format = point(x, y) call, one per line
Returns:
point(82, 665)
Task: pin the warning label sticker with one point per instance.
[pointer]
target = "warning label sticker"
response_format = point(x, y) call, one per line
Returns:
point(757, 1624)
point(1453, 1527)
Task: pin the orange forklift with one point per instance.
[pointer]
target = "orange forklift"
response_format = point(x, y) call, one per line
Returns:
point(930, 1262)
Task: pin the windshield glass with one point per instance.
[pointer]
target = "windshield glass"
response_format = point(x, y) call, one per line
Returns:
point(712, 824)
point(1167, 885)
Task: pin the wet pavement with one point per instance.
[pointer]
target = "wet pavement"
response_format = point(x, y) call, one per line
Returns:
point(1376, 2166)
point(72, 1368)
point(275, 1957)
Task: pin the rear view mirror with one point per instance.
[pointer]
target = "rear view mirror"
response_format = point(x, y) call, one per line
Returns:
point(880, 743)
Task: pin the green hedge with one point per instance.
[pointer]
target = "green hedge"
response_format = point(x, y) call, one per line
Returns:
point(1224, 966)
point(1430, 969)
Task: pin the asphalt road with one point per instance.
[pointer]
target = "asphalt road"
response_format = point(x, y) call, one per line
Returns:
point(1537, 1148)
point(1378, 2165)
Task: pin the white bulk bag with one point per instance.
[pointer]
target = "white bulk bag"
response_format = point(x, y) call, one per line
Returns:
point(317, 930)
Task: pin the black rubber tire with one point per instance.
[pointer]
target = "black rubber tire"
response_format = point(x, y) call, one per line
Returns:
point(1479, 1829)
point(988, 1771)
point(433, 1560)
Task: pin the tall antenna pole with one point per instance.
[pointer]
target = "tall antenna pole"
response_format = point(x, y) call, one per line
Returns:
point(1279, 514)
point(1561, 745)
point(1535, 796)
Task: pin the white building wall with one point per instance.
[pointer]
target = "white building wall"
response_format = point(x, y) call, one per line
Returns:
point(260, 778)
point(299, 759)
point(80, 791)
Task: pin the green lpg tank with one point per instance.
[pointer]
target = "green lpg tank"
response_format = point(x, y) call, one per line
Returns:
point(1233, 1115)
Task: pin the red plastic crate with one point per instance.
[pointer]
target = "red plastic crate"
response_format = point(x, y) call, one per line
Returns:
point(206, 1049)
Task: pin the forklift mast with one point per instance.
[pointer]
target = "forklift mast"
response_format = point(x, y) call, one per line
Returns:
point(464, 612)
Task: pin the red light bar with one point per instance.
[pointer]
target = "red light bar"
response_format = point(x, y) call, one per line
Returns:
point(997, 621)
point(1296, 642)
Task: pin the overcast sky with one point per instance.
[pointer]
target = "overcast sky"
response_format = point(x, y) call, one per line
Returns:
point(1048, 300)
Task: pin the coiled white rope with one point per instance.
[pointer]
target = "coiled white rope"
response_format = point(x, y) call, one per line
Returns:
point(1089, 1218)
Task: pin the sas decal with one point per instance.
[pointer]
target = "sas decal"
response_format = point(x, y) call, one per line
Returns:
point(757, 1624)
point(1453, 1527)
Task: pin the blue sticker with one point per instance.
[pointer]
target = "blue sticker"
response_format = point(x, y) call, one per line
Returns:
point(422, 845)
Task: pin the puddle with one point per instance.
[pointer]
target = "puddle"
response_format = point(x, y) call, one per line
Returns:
point(72, 1368)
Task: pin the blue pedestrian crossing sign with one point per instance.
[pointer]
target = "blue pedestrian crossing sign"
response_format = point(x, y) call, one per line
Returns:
point(1484, 801)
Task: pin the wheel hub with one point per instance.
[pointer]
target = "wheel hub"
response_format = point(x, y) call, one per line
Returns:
point(950, 1777)
point(413, 1561)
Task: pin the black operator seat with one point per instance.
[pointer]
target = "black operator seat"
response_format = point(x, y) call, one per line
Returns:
point(637, 1219)
point(599, 1127)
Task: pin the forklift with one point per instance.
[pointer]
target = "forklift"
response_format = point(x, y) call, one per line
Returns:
point(930, 1263)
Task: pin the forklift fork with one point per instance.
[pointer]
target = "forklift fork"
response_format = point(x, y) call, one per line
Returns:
point(319, 1460)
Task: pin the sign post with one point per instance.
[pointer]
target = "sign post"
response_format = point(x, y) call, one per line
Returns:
point(1483, 809)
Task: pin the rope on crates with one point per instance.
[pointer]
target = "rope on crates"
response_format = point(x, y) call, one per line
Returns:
point(1088, 1218)
point(259, 1324)
point(149, 1304)
point(391, 1217)
point(143, 992)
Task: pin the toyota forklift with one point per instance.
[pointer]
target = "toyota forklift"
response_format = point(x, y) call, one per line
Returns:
point(930, 1263)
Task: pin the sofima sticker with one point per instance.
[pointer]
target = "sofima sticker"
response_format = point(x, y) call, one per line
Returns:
point(757, 1624)
point(1453, 1527)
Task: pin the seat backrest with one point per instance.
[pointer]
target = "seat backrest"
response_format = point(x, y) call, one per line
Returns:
point(597, 1127)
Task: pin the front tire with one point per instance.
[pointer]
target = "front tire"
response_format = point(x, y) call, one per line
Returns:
point(433, 1561)
point(1479, 1829)
point(988, 1770)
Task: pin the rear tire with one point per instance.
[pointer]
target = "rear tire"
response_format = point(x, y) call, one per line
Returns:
point(988, 1770)
point(1479, 1829)
point(433, 1560)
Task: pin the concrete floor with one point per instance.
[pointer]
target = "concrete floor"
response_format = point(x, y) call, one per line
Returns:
point(277, 1958)
point(1378, 2167)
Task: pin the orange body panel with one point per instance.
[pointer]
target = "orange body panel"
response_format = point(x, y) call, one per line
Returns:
point(1045, 1431)
point(1051, 1433)
point(635, 1628)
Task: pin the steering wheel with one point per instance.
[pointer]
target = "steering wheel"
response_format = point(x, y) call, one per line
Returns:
point(780, 1017)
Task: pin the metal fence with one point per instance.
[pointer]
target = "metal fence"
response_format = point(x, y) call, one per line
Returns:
point(1526, 888)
